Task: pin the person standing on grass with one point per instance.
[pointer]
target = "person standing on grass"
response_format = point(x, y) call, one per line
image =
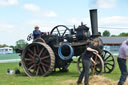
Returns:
point(36, 32)
point(123, 56)
point(86, 57)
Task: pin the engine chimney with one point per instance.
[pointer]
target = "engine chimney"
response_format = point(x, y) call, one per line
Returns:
point(94, 22)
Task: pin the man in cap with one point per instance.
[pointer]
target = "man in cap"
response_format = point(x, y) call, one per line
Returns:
point(36, 32)
point(123, 56)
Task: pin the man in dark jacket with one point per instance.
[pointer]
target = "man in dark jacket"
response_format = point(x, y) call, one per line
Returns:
point(86, 57)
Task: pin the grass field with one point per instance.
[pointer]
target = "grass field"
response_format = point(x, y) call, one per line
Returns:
point(9, 56)
point(56, 78)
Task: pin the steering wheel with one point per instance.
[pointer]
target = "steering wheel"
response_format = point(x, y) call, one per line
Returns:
point(30, 37)
point(60, 30)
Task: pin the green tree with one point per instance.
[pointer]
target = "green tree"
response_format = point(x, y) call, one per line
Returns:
point(12, 46)
point(99, 33)
point(20, 44)
point(123, 34)
point(114, 35)
point(4, 45)
point(106, 33)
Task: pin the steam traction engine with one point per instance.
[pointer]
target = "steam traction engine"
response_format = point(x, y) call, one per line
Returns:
point(56, 49)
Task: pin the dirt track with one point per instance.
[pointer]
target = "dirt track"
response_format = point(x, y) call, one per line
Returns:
point(96, 80)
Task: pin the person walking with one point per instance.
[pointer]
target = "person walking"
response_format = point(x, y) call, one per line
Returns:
point(86, 57)
point(123, 56)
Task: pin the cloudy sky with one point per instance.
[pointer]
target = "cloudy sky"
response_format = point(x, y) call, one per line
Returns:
point(18, 17)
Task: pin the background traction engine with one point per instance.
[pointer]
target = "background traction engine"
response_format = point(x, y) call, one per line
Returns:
point(56, 49)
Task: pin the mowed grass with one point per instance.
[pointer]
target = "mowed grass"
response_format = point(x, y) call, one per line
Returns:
point(55, 78)
point(9, 56)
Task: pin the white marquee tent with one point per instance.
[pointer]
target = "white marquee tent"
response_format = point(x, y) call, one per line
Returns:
point(6, 50)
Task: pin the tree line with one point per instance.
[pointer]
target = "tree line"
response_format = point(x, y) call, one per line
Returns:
point(19, 44)
point(107, 33)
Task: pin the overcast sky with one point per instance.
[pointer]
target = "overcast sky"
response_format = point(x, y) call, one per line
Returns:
point(18, 17)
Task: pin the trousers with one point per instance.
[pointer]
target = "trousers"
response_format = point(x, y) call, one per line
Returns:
point(85, 72)
point(123, 69)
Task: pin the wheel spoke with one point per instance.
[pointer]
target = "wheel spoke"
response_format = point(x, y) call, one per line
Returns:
point(108, 57)
point(44, 69)
point(43, 64)
point(41, 71)
point(58, 31)
point(109, 64)
point(44, 53)
point(105, 54)
point(37, 49)
point(46, 61)
point(108, 68)
point(110, 60)
point(30, 51)
point(34, 51)
point(34, 68)
point(44, 57)
point(37, 71)
point(104, 69)
point(31, 67)
point(27, 59)
point(30, 55)
point(64, 32)
point(30, 63)
point(41, 52)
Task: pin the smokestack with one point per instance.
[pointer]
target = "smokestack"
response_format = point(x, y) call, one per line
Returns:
point(94, 22)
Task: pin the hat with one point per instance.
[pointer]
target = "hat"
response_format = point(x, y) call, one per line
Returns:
point(36, 26)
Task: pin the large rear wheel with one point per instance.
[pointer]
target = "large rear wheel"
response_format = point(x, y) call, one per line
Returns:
point(38, 59)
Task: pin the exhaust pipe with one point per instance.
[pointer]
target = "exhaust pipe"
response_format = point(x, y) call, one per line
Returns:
point(94, 22)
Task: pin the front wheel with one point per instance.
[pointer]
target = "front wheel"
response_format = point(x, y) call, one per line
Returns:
point(109, 61)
